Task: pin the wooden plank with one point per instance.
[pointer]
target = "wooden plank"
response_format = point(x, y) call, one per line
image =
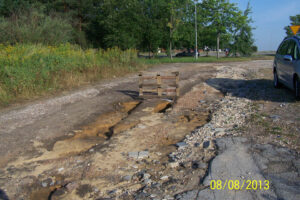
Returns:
point(155, 85)
point(168, 77)
point(158, 79)
point(160, 88)
point(149, 77)
point(141, 91)
point(159, 91)
point(149, 90)
point(177, 92)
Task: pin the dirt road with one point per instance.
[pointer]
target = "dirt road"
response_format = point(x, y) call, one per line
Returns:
point(104, 142)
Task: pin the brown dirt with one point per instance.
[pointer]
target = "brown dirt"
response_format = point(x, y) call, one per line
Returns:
point(84, 143)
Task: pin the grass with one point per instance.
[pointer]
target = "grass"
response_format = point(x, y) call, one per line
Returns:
point(28, 71)
point(208, 59)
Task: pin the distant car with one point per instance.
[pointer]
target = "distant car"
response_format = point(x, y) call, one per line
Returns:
point(186, 54)
point(286, 67)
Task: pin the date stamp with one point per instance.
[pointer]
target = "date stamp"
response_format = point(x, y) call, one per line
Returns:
point(239, 185)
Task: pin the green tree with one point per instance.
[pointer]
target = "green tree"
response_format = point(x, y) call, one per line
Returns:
point(175, 14)
point(295, 20)
point(219, 16)
point(242, 34)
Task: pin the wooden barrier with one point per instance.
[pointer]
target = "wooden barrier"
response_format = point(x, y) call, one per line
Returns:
point(159, 85)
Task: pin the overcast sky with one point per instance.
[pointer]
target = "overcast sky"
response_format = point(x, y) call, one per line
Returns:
point(270, 17)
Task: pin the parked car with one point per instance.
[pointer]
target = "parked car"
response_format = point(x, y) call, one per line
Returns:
point(186, 54)
point(286, 67)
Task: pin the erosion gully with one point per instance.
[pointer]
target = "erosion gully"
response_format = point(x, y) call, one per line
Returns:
point(94, 159)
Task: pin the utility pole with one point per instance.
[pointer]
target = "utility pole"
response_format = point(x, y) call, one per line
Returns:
point(196, 45)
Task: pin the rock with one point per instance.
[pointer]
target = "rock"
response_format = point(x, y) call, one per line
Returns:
point(197, 144)
point(205, 144)
point(198, 165)
point(146, 176)
point(163, 178)
point(275, 118)
point(127, 178)
point(173, 164)
point(168, 197)
point(91, 150)
point(147, 181)
point(181, 145)
point(133, 155)
point(44, 184)
point(143, 154)
point(72, 186)
point(61, 169)
point(220, 129)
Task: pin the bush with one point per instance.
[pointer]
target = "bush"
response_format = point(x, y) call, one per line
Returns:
point(33, 26)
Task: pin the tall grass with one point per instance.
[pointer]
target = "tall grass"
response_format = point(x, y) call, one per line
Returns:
point(34, 70)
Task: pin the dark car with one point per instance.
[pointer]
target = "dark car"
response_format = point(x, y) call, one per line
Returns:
point(186, 54)
point(286, 67)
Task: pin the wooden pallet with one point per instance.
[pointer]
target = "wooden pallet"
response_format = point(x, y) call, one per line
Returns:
point(159, 86)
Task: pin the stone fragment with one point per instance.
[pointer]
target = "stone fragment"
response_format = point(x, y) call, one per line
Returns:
point(146, 176)
point(163, 178)
point(44, 184)
point(173, 164)
point(133, 155)
point(127, 178)
point(181, 144)
point(206, 144)
point(143, 154)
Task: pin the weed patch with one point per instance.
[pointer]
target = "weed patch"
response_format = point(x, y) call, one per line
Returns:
point(35, 70)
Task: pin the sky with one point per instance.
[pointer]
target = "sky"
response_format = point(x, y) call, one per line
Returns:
point(270, 17)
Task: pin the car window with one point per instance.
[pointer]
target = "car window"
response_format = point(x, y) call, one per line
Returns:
point(296, 53)
point(283, 48)
point(291, 48)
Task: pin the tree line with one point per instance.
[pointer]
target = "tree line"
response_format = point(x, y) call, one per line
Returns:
point(145, 25)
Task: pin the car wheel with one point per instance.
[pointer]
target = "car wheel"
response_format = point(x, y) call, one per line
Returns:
point(276, 80)
point(297, 88)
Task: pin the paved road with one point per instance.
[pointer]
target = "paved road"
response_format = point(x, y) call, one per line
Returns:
point(239, 160)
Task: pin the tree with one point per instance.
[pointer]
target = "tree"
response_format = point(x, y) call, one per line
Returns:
point(295, 20)
point(242, 34)
point(151, 25)
point(219, 16)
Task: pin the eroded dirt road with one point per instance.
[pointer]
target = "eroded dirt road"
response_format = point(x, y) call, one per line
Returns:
point(105, 142)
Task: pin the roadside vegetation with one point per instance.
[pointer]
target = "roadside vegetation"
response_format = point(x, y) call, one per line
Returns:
point(29, 70)
point(33, 70)
point(50, 46)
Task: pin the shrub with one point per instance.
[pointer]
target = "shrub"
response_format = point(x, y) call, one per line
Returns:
point(33, 26)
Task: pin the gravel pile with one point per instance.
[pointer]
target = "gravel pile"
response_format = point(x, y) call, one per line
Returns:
point(228, 115)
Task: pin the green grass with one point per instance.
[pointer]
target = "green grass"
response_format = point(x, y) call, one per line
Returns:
point(28, 71)
point(209, 59)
